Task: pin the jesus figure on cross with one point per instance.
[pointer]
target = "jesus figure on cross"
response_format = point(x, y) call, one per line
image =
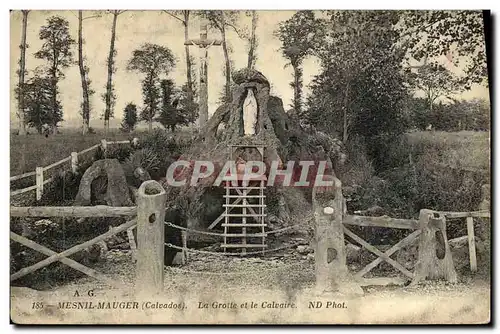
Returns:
point(203, 43)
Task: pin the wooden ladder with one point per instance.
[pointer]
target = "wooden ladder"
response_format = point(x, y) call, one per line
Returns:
point(244, 212)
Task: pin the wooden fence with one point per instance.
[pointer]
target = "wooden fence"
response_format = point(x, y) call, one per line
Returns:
point(148, 217)
point(72, 162)
point(434, 256)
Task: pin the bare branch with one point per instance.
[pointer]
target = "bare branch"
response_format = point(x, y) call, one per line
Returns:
point(92, 17)
point(214, 23)
point(116, 11)
point(175, 17)
point(236, 30)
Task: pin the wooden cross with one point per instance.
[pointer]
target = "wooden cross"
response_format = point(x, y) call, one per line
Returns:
point(203, 43)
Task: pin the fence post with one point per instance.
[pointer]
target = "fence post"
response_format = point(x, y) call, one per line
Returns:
point(104, 146)
point(329, 254)
point(151, 199)
point(434, 254)
point(135, 142)
point(472, 244)
point(184, 246)
point(39, 182)
point(74, 162)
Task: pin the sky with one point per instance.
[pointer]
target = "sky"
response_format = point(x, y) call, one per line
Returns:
point(137, 27)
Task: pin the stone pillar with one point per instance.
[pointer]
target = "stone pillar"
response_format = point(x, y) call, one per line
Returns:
point(434, 255)
point(151, 199)
point(329, 252)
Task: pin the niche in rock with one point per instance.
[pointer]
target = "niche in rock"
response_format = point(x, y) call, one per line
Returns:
point(98, 192)
point(249, 113)
point(440, 245)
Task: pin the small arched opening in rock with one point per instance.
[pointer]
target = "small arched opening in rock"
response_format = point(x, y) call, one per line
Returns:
point(98, 191)
point(331, 254)
point(440, 245)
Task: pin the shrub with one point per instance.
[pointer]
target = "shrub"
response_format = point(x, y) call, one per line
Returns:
point(357, 168)
point(167, 147)
point(129, 121)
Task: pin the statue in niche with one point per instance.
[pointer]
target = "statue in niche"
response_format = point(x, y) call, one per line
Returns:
point(249, 114)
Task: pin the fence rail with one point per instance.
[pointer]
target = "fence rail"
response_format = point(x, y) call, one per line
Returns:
point(73, 158)
point(91, 148)
point(73, 211)
point(21, 176)
point(383, 221)
point(72, 250)
point(55, 164)
point(474, 214)
point(22, 191)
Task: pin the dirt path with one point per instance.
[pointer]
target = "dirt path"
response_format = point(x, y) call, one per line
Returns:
point(274, 290)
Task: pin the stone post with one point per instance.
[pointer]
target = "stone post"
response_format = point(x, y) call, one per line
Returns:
point(330, 255)
point(151, 200)
point(434, 255)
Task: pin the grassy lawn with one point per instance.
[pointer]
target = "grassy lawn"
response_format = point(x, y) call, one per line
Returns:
point(34, 150)
point(468, 149)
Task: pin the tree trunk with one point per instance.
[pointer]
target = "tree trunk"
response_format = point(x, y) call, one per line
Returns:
point(54, 80)
point(345, 133)
point(153, 102)
point(253, 40)
point(296, 89)
point(22, 65)
point(188, 58)
point(228, 64)
point(109, 84)
point(85, 89)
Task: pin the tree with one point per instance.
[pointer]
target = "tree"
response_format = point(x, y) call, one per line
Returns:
point(168, 115)
point(183, 16)
point(38, 102)
point(177, 108)
point(222, 20)
point(56, 50)
point(151, 60)
point(434, 81)
point(187, 109)
point(151, 96)
point(253, 42)
point(109, 97)
point(84, 75)
point(129, 118)
point(471, 115)
point(436, 33)
point(21, 73)
point(298, 36)
point(360, 89)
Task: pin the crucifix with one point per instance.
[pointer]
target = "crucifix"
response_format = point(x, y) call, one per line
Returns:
point(203, 43)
